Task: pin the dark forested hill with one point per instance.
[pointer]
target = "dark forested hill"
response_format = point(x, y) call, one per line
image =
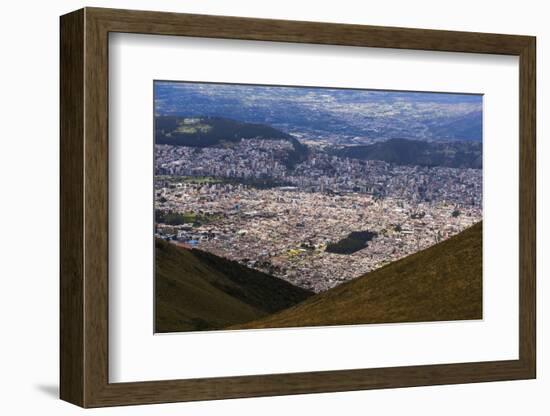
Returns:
point(467, 154)
point(440, 283)
point(209, 131)
point(195, 291)
point(214, 131)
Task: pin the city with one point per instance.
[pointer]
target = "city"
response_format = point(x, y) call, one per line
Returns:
point(281, 206)
point(283, 226)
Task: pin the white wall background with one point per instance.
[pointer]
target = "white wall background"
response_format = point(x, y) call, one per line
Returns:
point(29, 171)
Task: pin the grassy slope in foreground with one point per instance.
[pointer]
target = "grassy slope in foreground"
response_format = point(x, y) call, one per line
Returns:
point(440, 283)
point(195, 291)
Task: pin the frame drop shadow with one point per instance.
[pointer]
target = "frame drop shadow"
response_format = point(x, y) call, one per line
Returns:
point(51, 390)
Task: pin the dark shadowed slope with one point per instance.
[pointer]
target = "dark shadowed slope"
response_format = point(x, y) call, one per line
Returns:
point(443, 282)
point(455, 154)
point(195, 291)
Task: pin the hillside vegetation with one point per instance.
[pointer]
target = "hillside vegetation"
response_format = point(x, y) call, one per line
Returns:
point(355, 241)
point(465, 154)
point(215, 131)
point(209, 131)
point(440, 283)
point(195, 291)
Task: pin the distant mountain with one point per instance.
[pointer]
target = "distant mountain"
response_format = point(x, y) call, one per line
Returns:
point(416, 152)
point(464, 127)
point(343, 116)
point(216, 131)
point(440, 283)
point(196, 291)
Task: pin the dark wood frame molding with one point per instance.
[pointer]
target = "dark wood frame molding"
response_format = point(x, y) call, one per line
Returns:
point(84, 209)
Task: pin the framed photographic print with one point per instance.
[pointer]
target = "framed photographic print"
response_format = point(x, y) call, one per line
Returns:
point(256, 207)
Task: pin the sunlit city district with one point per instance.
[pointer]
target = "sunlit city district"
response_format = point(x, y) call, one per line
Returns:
point(242, 202)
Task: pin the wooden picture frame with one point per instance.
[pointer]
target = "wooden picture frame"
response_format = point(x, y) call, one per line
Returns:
point(84, 207)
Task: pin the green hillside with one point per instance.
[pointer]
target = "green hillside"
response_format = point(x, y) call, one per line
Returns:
point(195, 291)
point(443, 282)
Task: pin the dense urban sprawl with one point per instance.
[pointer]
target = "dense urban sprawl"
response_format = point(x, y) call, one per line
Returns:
point(209, 198)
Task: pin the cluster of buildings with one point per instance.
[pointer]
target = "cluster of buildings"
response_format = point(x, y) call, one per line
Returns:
point(322, 172)
point(247, 159)
point(284, 230)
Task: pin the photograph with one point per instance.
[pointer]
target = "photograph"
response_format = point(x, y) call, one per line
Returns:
point(299, 206)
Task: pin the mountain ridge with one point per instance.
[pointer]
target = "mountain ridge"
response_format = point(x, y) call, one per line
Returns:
point(455, 154)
